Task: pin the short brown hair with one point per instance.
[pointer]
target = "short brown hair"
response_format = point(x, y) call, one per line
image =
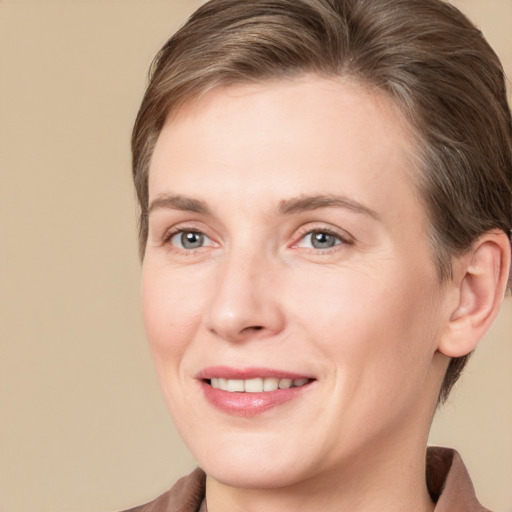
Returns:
point(424, 54)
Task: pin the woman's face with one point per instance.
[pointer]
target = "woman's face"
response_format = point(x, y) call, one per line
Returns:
point(287, 247)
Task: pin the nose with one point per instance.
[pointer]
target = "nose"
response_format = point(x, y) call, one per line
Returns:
point(245, 304)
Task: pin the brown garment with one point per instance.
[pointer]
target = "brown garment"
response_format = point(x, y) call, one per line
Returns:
point(186, 495)
point(447, 480)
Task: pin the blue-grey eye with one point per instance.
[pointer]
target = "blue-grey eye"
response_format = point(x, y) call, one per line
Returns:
point(188, 240)
point(323, 240)
point(192, 240)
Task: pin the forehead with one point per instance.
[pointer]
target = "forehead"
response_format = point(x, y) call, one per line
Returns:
point(300, 127)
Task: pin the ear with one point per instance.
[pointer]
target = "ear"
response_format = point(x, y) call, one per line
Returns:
point(480, 280)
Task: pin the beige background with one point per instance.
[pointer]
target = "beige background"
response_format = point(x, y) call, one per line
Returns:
point(82, 424)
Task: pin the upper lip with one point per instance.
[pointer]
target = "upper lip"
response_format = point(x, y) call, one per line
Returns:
point(227, 372)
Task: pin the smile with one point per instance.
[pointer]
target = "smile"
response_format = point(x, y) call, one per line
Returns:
point(256, 385)
point(251, 391)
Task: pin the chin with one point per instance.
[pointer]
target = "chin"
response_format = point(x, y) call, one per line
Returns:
point(250, 463)
point(248, 474)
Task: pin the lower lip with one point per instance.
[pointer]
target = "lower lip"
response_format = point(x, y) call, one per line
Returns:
point(250, 404)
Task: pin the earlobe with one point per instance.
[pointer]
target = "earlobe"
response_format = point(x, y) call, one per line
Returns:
point(480, 276)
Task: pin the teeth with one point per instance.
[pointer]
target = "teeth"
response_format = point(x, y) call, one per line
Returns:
point(256, 385)
point(253, 385)
point(285, 383)
point(235, 385)
point(270, 384)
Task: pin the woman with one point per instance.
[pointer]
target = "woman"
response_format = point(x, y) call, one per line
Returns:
point(326, 199)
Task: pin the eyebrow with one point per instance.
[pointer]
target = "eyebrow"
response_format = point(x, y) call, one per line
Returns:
point(308, 203)
point(286, 207)
point(178, 202)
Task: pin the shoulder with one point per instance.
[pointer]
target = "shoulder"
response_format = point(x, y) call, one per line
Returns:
point(186, 495)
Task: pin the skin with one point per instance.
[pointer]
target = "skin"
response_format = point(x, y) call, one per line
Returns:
point(366, 317)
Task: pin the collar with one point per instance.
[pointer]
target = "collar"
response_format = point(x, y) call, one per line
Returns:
point(449, 483)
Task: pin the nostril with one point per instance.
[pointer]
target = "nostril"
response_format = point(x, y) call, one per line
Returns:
point(253, 328)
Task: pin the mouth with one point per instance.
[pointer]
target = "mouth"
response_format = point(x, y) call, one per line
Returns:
point(251, 391)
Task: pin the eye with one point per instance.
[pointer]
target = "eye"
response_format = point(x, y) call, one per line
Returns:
point(189, 240)
point(320, 239)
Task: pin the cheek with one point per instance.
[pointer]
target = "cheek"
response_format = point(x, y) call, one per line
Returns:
point(171, 311)
point(172, 315)
point(376, 324)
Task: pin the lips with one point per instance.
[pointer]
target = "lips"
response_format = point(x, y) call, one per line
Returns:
point(249, 392)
